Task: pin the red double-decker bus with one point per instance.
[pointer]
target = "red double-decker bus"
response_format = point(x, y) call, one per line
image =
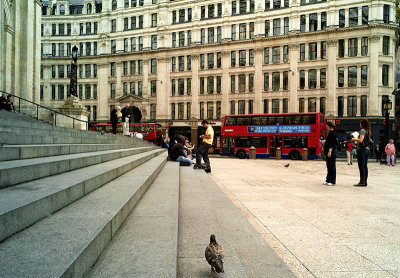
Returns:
point(267, 132)
point(150, 131)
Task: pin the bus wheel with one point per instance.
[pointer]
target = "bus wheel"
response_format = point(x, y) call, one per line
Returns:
point(294, 155)
point(241, 154)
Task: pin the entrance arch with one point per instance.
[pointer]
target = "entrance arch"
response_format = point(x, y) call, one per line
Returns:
point(136, 114)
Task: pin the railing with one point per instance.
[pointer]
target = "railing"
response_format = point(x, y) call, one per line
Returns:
point(31, 109)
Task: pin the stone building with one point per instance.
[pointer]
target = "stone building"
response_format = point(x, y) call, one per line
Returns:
point(177, 62)
point(20, 48)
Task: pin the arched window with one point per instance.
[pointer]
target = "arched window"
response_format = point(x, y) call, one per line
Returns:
point(62, 10)
point(114, 5)
point(89, 8)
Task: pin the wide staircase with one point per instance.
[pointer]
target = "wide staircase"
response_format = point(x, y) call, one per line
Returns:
point(83, 204)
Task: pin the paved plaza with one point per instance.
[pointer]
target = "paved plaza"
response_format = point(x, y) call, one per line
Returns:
point(319, 231)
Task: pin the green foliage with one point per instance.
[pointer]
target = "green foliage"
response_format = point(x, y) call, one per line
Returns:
point(397, 11)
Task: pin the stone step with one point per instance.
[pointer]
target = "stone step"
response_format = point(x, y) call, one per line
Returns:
point(21, 120)
point(14, 152)
point(146, 244)
point(68, 243)
point(10, 138)
point(246, 252)
point(18, 171)
point(25, 204)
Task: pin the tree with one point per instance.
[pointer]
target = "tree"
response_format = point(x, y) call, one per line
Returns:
point(397, 2)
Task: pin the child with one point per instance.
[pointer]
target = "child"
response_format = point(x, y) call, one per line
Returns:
point(390, 151)
point(349, 151)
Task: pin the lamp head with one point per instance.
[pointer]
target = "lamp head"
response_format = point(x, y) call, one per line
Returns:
point(387, 105)
point(74, 53)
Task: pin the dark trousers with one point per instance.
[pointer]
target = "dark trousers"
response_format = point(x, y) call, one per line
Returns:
point(202, 151)
point(362, 159)
point(331, 166)
point(114, 127)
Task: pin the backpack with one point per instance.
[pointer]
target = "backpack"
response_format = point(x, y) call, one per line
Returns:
point(367, 142)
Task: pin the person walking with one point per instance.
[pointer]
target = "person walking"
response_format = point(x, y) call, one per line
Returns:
point(349, 151)
point(126, 118)
point(202, 150)
point(377, 152)
point(330, 151)
point(390, 151)
point(363, 151)
point(114, 119)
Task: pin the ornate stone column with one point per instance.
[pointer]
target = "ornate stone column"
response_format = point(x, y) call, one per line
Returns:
point(258, 80)
point(374, 80)
point(225, 83)
point(118, 83)
point(293, 77)
point(332, 79)
point(195, 86)
point(146, 71)
point(103, 92)
point(162, 87)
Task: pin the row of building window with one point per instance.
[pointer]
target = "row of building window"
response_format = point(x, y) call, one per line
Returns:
point(136, 22)
point(60, 69)
point(135, 88)
point(60, 92)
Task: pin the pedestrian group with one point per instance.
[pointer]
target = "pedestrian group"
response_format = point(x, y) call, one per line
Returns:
point(360, 144)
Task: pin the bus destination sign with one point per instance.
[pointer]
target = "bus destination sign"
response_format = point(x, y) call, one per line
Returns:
point(282, 129)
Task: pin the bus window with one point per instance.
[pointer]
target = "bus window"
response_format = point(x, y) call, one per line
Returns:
point(295, 142)
point(321, 120)
point(279, 119)
point(259, 142)
point(271, 120)
point(244, 142)
point(297, 119)
point(309, 119)
point(230, 121)
point(243, 121)
point(289, 120)
point(256, 120)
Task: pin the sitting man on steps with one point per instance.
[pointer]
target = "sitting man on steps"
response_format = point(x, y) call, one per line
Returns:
point(178, 152)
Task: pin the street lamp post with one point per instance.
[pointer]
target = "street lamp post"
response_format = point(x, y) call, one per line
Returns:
point(73, 88)
point(387, 106)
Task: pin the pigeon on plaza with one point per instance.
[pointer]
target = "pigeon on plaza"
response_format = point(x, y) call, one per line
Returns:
point(214, 255)
point(287, 165)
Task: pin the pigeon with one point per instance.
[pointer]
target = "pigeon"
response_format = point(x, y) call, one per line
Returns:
point(287, 165)
point(214, 256)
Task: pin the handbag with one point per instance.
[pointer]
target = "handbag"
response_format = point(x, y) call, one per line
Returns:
point(353, 151)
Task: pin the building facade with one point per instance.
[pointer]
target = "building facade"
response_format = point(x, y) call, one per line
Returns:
point(178, 62)
point(20, 48)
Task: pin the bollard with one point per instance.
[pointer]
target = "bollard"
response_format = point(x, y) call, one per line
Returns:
point(278, 153)
point(305, 154)
point(252, 153)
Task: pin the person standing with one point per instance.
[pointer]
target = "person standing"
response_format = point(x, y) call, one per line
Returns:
point(349, 151)
point(202, 150)
point(330, 150)
point(114, 119)
point(126, 118)
point(4, 102)
point(390, 151)
point(377, 153)
point(363, 151)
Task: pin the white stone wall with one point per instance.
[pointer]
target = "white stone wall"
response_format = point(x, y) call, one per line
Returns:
point(20, 48)
point(375, 31)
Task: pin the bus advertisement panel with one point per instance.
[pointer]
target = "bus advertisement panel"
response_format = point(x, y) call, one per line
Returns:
point(150, 131)
point(266, 132)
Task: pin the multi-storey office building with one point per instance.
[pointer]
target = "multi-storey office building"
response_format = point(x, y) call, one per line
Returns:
point(180, 61)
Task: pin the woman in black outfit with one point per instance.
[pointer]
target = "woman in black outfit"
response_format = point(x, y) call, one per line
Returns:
point(330, 150)
point(363, 151)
